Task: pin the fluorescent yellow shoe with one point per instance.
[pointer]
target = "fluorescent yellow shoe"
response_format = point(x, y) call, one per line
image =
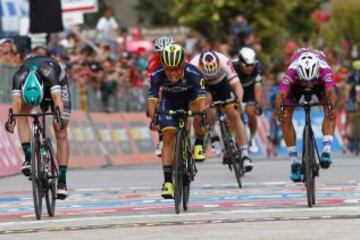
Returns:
point(167, 190)
point(199, 153)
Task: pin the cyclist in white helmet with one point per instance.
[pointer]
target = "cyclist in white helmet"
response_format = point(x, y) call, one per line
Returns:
point(250, 73)
point(223, 84)
point(308, 69)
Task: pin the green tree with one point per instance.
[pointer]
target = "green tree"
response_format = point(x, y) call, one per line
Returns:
point(155, 12)
point(344, 23)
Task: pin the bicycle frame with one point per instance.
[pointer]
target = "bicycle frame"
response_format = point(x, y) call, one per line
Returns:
point(185, 168)
point(40, 163)
point(310, 167)
point(231, 150)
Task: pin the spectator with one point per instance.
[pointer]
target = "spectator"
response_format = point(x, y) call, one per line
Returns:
point(241, 32)
point(8, 52)
point(106, 27)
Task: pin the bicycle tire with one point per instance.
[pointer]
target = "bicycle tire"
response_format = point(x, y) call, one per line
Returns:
point(179, 171)
point(36, 178)
point(187, 176)
point(308, 159)
point(50, 191)
point(236, 162)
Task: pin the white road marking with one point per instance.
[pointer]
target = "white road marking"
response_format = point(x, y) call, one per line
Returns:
point(351, 209)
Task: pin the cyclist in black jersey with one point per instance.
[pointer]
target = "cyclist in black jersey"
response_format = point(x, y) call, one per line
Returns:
point(41, 81)
point(250, 73)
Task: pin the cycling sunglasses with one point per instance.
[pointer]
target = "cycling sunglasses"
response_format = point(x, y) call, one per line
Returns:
point(177, 69)
point(248, 65)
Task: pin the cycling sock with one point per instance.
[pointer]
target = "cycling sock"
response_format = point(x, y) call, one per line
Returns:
point(199, 141)
point(27, 151)
point(327, 141)
point(167, 173)
point(62, 173)
point(244, 151)
point(293, 154)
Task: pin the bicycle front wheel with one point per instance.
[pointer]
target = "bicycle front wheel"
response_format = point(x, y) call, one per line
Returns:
point(36, 178)
point(236, 162)
point(179, 171)
point(309, 161)
point(50, 193)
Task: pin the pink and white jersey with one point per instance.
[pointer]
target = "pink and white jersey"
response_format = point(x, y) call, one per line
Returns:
point(291, 76)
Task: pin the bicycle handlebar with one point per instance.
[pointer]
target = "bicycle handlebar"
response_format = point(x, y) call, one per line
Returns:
point(305, 104)
point(179, 112)
point(56, 113)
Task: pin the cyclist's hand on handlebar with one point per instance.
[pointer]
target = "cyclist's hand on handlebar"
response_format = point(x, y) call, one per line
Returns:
point(10, 126)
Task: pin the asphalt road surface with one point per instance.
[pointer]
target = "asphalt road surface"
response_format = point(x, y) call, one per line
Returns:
point(125, 203)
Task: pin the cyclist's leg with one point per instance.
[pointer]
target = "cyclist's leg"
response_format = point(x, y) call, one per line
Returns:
point(251, 112)
point(289, 135)
point(199, 105)
point(168, 126)
point(24, 133)
point(62, 143)
point(328, 129)
point(211, 121)
point(167, 157)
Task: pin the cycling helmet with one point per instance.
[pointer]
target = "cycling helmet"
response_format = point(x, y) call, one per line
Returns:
point(209, 63)
point(162, 42)
point(247, 56)
point(308, 68)
point(173, 55)
point(32, 89)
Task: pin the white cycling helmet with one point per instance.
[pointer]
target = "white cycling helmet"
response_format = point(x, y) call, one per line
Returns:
point(247, 56)
point(209, 63)
point(308, 68)
point(162, 42)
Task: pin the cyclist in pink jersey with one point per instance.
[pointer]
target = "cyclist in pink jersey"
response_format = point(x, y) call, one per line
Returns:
point(308, 69)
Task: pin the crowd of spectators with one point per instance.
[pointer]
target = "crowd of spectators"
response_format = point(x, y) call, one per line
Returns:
point(105, 70)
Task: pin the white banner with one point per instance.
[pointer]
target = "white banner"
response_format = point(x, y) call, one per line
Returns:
point(80, 6)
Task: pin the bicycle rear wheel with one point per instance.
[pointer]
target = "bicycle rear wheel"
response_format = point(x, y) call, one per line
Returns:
point(36, 178)
point(309, 161)
point(50, 192)
point(179, 172)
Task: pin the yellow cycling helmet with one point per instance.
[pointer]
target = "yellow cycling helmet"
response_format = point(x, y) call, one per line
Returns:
point(173, 55)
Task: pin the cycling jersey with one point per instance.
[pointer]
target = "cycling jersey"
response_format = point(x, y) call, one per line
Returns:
point(52, 76)
point(226, 69)
point(248, 81)
point(291, 77)
point(354, 82)
point(154, 63)
point(176, 95)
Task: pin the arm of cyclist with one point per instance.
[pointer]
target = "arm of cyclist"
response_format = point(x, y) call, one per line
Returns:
point(330, 94)
point(238, 90)
point(153, 100)
point(16, 106)
point(279, 100)
point(258, 98)
point(16, 100)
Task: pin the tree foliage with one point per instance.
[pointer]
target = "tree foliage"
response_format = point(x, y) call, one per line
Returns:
point(344, 23)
